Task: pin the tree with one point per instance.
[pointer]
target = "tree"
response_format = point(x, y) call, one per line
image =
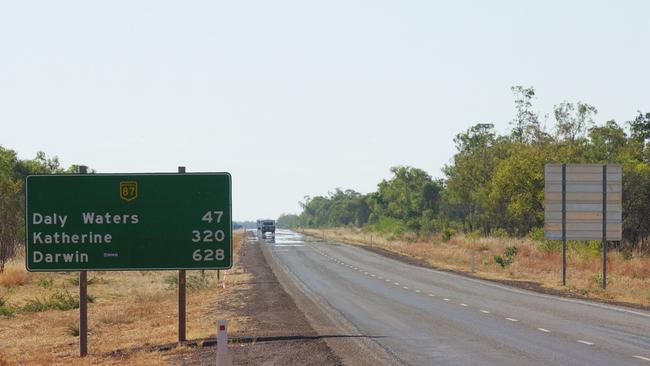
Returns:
point(526, 122)
point(468, 177)
point(573, 120)
point(407, 195)
point(288, 221)
point(517, 191)
point(11, 204)
point(607, 142)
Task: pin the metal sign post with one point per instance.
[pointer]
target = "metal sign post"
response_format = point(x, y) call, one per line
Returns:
point(181, 294)
point(83, 299)
point(604, 234)
point(563, 224)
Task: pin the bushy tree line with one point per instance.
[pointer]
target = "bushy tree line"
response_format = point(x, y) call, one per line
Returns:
point(12, 192)
point(495, 183)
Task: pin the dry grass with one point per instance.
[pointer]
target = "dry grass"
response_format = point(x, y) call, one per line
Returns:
point(130, 310)
point(629, 279)
point(15, 274)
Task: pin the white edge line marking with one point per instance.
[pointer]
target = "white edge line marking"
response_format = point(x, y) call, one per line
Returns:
point(512, 319)
point(642, 358)
point(585, 342)
point(544, 330)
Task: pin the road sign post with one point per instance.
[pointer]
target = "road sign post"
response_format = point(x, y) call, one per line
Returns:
point(563, 224)
point(181, 294)
point(583, 202)
point(83, 299)
point(604, 232)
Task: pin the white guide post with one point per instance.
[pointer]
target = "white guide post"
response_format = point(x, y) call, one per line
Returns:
point(223, 358)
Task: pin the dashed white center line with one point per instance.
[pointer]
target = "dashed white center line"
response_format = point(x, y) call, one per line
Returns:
point(380, 278)
point(446, 299)
point(365, 273)
point(432, 295)
point(396, 283)
point(373, 275)
point(543, 330)
point(405, 287)
point(387, 280)
point(417, 290)
point(463, 304)
point(642, 358)
point(585, 342)
point(512, 319)
point(484, 311)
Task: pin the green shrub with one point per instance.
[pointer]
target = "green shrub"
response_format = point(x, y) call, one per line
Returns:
point(45, 282)
point(447, 233)
point(93, 281)
point(72, 330)
point(171, 281)
point(474, 235)
point(507, 258)
point(626, 255)
point(198, 282)
point(537, 233)
point(194, 282)
point(598, 278)
point(389, 225)
point(74, 281)
point(5, 310)
point(585, 249)
point(57, 301)
point(549, 246)
point(500, 233)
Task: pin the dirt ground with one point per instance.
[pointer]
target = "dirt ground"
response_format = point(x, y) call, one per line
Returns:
point(276, 333)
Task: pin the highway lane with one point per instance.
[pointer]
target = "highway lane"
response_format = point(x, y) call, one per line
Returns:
point(424, 316)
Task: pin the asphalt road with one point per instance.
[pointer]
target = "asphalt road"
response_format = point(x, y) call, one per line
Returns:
point(428, 317)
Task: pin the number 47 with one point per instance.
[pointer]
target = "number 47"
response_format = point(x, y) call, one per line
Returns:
point(212, 215)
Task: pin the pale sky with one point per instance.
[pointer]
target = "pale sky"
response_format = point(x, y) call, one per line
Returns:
point(296, 98)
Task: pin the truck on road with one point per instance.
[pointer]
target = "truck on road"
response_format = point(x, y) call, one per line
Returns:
point(265, 226)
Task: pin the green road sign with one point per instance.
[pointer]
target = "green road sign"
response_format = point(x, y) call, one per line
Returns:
point(128, 222)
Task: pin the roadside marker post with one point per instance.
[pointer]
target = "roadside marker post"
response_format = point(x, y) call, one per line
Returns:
point(473, 261)
point(223, 358)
